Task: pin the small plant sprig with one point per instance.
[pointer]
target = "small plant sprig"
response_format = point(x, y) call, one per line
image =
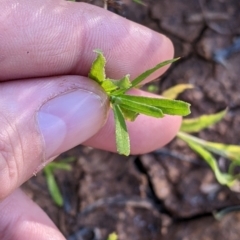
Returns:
point(53, 187)
point(207, 149)
point(128, 107)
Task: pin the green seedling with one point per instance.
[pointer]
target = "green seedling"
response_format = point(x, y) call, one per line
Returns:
point(128, 107)
point(51, 181)
point(207, 149)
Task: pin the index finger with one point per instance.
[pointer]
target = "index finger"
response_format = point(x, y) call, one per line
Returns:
point(55, 37)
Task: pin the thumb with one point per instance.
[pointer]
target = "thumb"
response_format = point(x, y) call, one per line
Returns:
point(41, 118)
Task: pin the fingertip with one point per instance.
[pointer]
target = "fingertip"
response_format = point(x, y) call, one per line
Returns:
point(169, 50)
point(150, 134)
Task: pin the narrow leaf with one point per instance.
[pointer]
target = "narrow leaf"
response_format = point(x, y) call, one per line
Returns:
point(173, 92)
point(167, 106)
point(143, 109)
point(137, 106)
point(200, 123)
point(97, 71)
point(128, 114)
point(231, 152)
point(147, 73)
point(122, 137)
point(60, 165)
point(53, 187)
point(223, 178)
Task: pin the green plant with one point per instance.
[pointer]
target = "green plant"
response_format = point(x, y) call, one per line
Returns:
point(207, 149)
point(51, 181)
point(128, 107)
point(125, 107)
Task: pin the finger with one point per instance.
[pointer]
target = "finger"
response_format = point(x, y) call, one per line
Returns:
point(21, 218)
point(146, 133)
point(50, 37)
point(42, 118)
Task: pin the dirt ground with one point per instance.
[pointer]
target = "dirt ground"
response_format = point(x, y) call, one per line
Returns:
point(169, 194)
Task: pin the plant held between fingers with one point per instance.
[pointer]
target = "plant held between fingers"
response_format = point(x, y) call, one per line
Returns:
point(128, 107)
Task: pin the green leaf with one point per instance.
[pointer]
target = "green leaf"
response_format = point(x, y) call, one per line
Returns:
point(147, 73)
point(97, 71)
point(122, 137)
point(123, 83)
point(53, 187)
point(60, 165)
point(120, 85)
point(200, 123)
point(137, 106)
point(167, 106)
point(108, 86)
point(144, 109)
point(231, 152)
point(128, 114)
point(173, 92)
point(223, 178)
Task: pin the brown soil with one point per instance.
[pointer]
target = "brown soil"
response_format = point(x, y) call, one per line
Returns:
point(171, 193)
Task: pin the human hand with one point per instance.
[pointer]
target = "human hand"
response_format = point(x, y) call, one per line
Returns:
point(48, 105)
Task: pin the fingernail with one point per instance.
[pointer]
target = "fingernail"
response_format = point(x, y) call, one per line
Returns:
point(69, 119)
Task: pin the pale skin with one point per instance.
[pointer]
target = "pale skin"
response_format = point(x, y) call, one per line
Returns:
point(45, 54)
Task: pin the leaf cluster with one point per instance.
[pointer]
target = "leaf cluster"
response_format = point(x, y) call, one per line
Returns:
point(128, 107)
